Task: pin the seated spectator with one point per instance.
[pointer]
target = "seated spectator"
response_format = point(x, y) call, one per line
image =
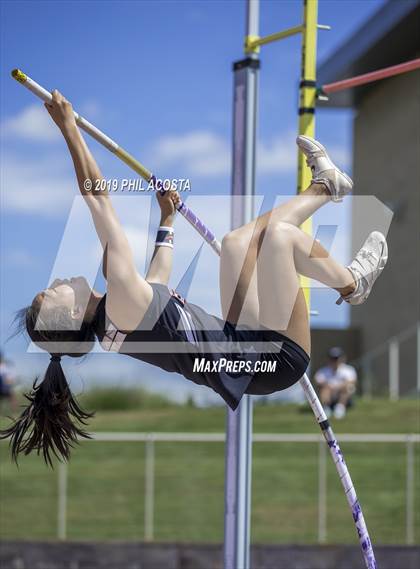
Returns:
point(337, 383)
point(7, 383)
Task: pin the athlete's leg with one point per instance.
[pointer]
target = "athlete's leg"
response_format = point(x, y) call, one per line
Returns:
point(328, 183)
point(238, 275)
point(282, 305)
point(354, 283)
point(298, 209)
point(238, 282)
point(284, 251)
point(313, 261)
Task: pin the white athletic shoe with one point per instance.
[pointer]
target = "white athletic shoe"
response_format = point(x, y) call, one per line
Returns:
point(366, 267)
point(339, 411)
point(324, 171)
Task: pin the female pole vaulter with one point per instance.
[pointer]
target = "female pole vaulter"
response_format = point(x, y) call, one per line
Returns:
point(262, 344)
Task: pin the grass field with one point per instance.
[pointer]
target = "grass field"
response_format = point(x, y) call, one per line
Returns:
point(106, 480)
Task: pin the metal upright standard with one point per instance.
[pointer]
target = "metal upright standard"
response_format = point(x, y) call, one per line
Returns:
point(238, 447)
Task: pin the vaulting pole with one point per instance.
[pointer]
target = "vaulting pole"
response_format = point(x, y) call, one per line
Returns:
point(239, 423)
point(343, 473)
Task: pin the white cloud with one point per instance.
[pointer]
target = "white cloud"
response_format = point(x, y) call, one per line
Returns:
point(32, 123)
point(208, 154)
point(200, 152)
point(277, 155)
point(90, 109)
point(43, 187)
point(20, 258)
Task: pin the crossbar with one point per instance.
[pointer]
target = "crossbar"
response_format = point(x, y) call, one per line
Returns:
point(370, 77)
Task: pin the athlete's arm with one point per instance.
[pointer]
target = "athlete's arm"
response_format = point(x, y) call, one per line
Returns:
point(161, 264)
point(109, 230)
point(88, 174)
point(128, 293)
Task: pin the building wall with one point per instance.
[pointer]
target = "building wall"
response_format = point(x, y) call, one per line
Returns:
point(386, 164)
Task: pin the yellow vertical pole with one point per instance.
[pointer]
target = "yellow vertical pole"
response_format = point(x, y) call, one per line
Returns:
point(307, 100)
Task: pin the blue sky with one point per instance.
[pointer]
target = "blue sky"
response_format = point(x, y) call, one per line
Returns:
point(156, 76)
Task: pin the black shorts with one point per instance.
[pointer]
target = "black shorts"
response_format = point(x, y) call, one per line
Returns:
point(285, 362)
point(170, 318)
point(291, 362)
point(263, 345)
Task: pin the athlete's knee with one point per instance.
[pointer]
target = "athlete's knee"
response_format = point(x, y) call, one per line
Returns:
point(279, 234)
point(230, 242)
point(235, 240)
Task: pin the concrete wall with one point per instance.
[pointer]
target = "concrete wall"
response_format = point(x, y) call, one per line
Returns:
point(36, 555)
point(387, 165)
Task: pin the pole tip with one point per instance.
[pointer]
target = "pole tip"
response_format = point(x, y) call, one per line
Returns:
point(19, 75)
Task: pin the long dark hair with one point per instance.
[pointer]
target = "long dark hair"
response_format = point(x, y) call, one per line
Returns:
point(48, 424)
